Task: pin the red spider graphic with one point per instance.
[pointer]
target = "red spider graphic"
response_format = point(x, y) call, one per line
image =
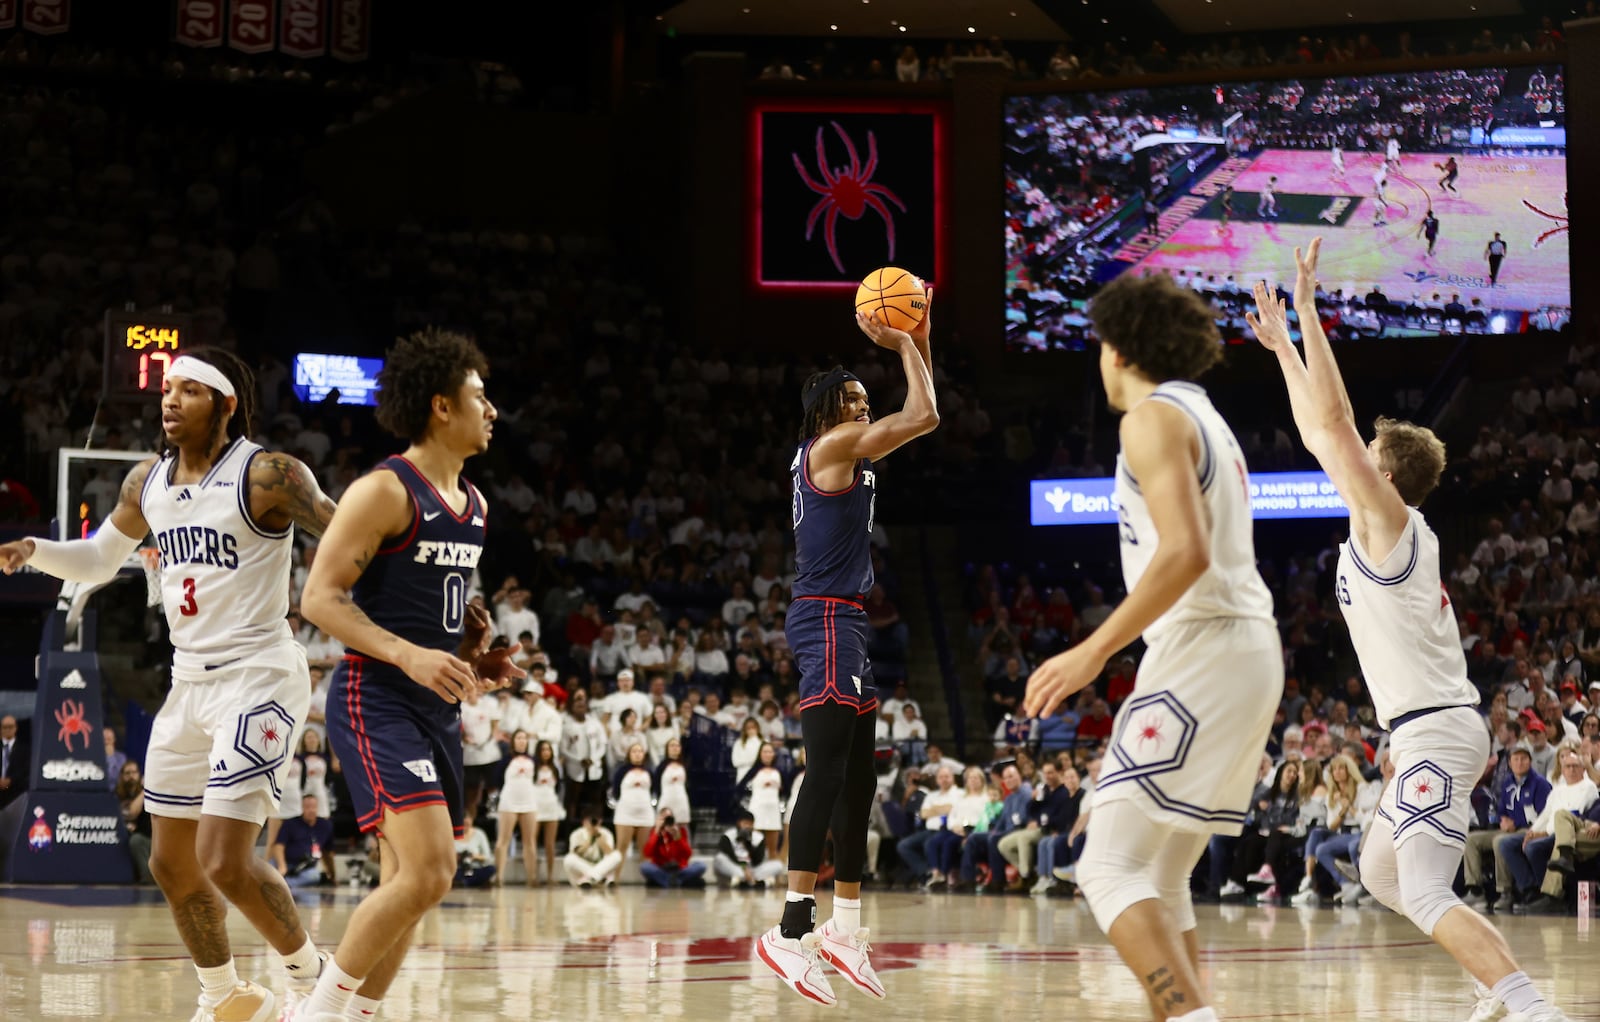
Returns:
point(269, 733)
point(847, 190)
point(1424, 787)
point(70, 715)
point(1561, 221)
point(1150, 731)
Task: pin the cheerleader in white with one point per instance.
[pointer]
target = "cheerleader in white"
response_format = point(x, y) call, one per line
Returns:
point(518, 809)
point(547, 806)
point(672, 783)
point(765, 783)
point(662, 729)
point(633, 788)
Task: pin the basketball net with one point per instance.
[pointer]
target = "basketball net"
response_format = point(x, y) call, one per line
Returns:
point(150, 557)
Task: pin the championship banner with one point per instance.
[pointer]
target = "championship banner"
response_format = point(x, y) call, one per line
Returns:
point(199, 23)
point(303, 31)
point(47, 17)
point(253, 25)
point(351, 30)
point(8, 14)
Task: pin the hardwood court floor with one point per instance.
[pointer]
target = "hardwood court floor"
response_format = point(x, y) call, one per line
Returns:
point(555, 953)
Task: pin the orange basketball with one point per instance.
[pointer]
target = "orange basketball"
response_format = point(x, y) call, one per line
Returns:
point(896, 295)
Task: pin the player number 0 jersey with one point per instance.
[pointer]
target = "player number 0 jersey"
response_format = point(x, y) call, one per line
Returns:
point(1231, 587)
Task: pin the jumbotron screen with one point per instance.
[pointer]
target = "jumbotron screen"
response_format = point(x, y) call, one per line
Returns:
point(1217, 185)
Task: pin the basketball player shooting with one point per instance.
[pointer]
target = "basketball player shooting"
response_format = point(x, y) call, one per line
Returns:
point(1187, 742)
point(834, 500)
point(390, 582)
point(223, 512)
point(1408, 645)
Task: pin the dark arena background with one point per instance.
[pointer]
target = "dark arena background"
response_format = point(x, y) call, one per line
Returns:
point(651, 218)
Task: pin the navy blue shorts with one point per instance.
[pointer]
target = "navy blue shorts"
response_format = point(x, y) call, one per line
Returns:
point(398, 751)
point(828, 637)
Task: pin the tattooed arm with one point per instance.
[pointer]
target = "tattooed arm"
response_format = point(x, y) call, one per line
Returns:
point(374, 508)
point(284, 492)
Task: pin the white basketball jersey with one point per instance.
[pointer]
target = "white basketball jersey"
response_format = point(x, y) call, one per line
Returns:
point(1402, 626)
point(1231, 586)
point(224, 579)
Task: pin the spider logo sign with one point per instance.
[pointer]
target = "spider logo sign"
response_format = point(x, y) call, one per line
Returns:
point(847, 191)
point(73, 716)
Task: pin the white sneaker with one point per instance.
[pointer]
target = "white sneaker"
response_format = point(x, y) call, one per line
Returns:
point(1066, 874)
point(298, 988)
point(1230, 890)
point(1349, 894)
point(796, 963)
point(1305, 885)
point(848, 953)
point(1043, 886)
point(1489, 1007)
point(247, 1002)
point(1305, 899)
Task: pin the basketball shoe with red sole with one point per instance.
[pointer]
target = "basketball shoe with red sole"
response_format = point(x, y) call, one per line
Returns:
point(797, 963)
point(849, 954)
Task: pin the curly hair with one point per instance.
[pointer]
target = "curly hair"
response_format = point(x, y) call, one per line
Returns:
point(427, 364)
point(828, 410)
point(1165, 331)
point(1412, 455)
point(243, 421)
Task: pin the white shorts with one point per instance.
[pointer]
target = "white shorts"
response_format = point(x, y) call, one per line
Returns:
point(223, 745)
point(1437, 762)
point(1188, 742)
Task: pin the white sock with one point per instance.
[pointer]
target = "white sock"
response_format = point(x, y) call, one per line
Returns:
point(1197, 1015)
point(362, 1009)
point(217, 982)
point(333, 992)
point(847, 915)
point(797, 896)
point(304, 962)
point(1518, 993)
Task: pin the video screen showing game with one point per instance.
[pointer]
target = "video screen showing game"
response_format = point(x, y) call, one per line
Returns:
point(1440, 196)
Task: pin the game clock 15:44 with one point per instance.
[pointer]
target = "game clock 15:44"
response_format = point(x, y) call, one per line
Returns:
point(138, 349)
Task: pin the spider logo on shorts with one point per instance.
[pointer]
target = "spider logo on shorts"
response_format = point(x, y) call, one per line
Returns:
point(1424, 788)
point(1150, 730)
point(269, 733)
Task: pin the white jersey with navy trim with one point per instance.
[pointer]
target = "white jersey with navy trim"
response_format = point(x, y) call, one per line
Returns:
point(1231, 587)
point(1402, 626)
point(224, 579)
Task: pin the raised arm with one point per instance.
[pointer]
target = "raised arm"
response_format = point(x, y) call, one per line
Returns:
point(283, 491)
point(853, 441)
point(1162, 451)
point(1322, 411)
point(98, 558)
point(375, 508)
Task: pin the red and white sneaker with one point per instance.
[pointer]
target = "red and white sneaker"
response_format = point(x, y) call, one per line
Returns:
point(848, 953)
point(796, 963)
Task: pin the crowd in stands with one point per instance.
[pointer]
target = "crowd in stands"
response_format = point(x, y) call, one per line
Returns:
point(933, 61)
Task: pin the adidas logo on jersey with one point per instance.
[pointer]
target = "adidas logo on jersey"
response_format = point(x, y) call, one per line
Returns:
point(184, 494)
point(221, 767)
point(423, 768)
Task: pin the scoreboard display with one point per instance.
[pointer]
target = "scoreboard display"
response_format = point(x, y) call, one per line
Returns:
point(139, 346)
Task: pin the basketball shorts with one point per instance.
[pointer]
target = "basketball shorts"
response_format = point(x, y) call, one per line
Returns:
point(1188, 742)
point(1437, 761)
point(224, 741)
point(828, 637)
point(399, 750)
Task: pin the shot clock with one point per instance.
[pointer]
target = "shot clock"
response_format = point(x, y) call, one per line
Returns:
point(139, 348)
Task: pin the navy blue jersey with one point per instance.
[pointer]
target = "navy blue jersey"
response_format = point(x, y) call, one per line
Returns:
point(832, 552)
point(416, 586)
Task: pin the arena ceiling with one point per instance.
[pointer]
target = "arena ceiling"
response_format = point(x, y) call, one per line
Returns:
point(1046, 19)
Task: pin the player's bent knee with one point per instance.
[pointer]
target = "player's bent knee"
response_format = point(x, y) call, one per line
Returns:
point(1426, 901)
point(1112, 888)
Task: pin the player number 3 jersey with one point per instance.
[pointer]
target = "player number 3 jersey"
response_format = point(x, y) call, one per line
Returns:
point(1231, 587)
point(224, 579)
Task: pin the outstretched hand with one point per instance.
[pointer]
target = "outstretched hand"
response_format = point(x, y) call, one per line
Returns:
point(1305, 279)
point(496, 670)
point(881, 333)
point(1270, 321)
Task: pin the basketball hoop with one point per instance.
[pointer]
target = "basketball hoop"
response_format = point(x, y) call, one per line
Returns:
point(150, 557)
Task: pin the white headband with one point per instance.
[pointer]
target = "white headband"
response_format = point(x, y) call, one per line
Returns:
point(190, 368)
